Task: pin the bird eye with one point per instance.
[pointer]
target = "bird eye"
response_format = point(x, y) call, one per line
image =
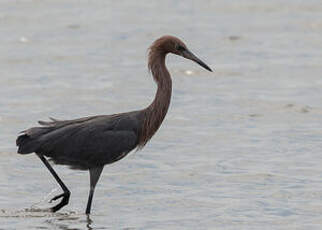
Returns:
point(180, 48)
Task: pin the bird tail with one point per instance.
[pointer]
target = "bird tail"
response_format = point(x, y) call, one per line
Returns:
point(23, 142)
point(29, 140)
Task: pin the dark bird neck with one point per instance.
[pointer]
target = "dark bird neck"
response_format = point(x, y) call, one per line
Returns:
point(157, 110)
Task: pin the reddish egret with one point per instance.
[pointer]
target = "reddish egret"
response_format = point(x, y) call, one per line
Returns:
point(90, 143)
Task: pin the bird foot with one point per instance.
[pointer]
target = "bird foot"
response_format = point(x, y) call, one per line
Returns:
point(62, 203)
point(57, 197)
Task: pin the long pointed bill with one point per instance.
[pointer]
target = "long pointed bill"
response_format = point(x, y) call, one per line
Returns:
point(187, 54)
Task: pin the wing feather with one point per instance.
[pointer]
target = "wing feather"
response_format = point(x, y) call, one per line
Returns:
point(84, 142)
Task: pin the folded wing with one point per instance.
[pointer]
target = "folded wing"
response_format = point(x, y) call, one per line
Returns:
point(84, 142)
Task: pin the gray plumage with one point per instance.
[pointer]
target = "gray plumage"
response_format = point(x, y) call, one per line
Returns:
point(92, 142)
point(86, 142)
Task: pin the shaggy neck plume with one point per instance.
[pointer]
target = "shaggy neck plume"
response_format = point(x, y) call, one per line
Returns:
point(155, 113)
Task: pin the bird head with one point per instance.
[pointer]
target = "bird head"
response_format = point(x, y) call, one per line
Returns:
point(171, 44)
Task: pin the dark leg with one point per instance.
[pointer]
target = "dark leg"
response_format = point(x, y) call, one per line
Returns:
point(94, 176)
point(65, 194)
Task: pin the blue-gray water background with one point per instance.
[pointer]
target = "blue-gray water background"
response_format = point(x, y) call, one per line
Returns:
point(240, 148)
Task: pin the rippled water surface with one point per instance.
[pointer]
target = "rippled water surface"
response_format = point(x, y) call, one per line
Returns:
point(240, 148)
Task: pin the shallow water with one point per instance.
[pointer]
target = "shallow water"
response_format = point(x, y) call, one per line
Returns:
point(240, 148)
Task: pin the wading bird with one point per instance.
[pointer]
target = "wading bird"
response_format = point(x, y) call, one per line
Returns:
point(90, 143)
